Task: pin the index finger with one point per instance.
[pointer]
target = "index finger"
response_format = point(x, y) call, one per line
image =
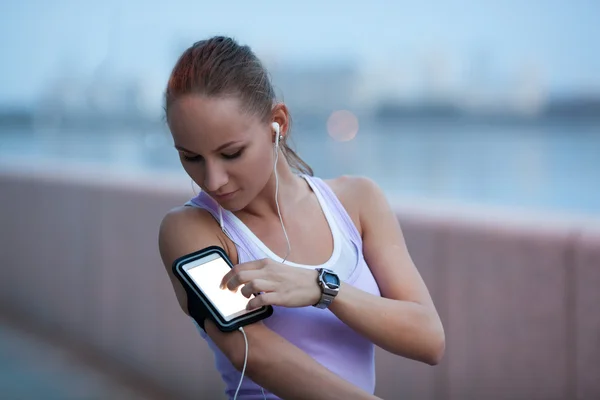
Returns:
point(257, 264)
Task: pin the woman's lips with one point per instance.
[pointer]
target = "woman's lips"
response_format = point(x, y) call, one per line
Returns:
point(225, 196)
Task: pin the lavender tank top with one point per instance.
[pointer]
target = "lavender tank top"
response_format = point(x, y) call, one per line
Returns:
point(317, 332)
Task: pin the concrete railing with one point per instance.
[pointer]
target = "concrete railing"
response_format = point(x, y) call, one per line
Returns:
point(519, 297)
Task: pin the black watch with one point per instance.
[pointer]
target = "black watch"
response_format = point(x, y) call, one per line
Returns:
point(329, 283)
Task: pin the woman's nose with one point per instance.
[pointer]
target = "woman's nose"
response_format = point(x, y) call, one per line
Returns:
point(215, 177)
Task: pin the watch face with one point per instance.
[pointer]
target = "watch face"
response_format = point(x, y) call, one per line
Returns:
point(331, 280)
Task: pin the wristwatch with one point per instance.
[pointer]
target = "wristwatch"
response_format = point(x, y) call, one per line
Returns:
point(330, 286)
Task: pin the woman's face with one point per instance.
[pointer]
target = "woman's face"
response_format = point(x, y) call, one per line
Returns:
point(227, 152)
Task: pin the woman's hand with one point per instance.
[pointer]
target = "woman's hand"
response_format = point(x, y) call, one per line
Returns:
point(278, 284)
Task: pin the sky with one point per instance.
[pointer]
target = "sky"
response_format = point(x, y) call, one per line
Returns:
point(42, 39)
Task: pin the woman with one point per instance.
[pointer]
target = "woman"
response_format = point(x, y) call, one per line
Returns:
point(230, 131)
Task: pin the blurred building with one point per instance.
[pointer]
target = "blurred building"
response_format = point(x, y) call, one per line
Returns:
point(317, 90)
point(103, 100)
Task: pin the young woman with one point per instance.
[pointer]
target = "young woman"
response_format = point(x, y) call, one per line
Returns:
point(280, 225)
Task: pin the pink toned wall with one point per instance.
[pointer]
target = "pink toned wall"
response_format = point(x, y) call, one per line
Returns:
point(519, 296)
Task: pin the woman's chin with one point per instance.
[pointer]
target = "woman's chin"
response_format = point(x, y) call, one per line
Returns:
point(232, 204)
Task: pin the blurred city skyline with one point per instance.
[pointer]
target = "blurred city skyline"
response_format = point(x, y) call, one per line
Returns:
point(395, 49)
point(483, 101)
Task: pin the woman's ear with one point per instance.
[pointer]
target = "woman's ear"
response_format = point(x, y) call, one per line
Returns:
point(280, 114)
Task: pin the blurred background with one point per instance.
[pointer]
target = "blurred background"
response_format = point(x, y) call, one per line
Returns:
point(487, 105)
point(491, 102)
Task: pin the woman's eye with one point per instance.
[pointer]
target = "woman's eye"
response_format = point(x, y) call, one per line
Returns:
point(233, 155)
point(191, 158)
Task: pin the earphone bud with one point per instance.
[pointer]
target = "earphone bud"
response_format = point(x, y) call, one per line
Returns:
point(278, 137)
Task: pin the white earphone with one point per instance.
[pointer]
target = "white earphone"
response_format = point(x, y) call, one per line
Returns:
point(278, 137)
point(275, 126)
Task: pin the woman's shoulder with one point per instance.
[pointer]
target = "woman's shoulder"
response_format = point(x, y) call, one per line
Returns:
point(186, 229)
point(355, 185)
point(184, 220)
point(355, 192)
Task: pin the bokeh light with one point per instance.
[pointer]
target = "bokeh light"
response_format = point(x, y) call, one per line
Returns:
point(342, 125)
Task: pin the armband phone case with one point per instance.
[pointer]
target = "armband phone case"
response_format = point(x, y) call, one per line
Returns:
point(200, 274)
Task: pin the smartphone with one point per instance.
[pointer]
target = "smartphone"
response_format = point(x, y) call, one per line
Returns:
point(201, 273)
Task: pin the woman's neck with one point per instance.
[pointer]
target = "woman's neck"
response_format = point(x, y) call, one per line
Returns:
point(291, 189)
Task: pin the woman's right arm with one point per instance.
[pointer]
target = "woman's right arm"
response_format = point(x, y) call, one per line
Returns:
point(273, 363)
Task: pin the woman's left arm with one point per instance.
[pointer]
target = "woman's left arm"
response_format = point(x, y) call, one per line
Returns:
point(403, 320)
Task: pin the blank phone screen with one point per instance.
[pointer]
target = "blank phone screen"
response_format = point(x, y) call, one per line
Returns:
point(207, 274)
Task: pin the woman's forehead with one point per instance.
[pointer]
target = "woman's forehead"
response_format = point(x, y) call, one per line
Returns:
point(201, 122)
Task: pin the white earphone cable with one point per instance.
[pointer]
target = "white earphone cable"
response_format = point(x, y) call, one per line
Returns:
point(289, 249)
point(245, 362)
